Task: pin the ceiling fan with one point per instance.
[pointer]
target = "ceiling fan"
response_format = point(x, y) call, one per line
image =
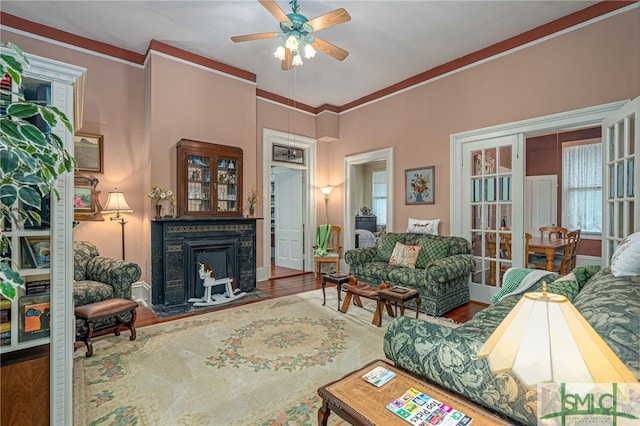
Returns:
point(297, 33)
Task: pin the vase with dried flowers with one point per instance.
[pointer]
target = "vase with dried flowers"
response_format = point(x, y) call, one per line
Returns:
point(252, 199)
point(158, 195)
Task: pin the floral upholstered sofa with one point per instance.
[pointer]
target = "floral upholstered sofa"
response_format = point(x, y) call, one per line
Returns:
point(447, 355)
point(98, 278)
point(441, 271)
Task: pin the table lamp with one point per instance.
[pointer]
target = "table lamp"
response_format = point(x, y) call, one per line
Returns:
point(544, 339)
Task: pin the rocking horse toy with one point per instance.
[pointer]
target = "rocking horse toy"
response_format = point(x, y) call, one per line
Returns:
point(207, 274)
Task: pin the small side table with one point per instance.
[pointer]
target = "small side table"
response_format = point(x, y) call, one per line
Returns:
point(387, 295)
point(337, 279)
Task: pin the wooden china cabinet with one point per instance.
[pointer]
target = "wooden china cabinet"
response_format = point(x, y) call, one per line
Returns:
point(209, 179)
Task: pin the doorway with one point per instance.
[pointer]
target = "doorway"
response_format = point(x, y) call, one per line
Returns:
point(352, 165)
point(294, 239)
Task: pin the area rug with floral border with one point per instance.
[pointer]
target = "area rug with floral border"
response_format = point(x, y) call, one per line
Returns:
point(256, 364)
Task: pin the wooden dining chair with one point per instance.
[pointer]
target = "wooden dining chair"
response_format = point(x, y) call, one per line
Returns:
point(553, 232)
point(565, 262)
point(334, 252)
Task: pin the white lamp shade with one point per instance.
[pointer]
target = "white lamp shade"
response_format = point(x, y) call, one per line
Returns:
point(545, 339)
point(116, 203)
point(326, 190)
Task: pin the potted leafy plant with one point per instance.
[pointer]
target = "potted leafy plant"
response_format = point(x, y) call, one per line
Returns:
point(31, 160)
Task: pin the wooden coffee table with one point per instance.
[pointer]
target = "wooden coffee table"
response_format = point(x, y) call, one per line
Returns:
point(361, 403)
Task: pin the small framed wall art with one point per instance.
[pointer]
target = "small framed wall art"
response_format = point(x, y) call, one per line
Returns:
point(87, 150)
point(86, 204)
point(419, 185)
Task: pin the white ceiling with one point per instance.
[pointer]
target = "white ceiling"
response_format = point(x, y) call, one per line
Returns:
point(388, 41)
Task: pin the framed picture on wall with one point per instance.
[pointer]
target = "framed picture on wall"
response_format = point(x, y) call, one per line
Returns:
point(419, 185)
point(87, 150)
point(86, 204)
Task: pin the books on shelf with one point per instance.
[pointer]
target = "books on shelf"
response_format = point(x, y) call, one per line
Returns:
point(418, 408)
point(38, 287)
point(379, 376)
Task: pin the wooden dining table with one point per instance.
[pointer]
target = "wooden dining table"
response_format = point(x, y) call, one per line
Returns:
point(548, 247)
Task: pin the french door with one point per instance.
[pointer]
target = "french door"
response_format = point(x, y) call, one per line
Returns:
point(473, 218)
point(621, 174)
point(493, 215)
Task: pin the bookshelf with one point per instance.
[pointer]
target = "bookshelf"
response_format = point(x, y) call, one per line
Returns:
point(48, 255)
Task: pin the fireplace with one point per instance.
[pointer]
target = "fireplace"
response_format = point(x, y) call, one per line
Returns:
point(178, 246)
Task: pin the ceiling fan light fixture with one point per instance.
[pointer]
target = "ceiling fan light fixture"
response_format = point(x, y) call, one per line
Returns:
point(292, 43)
point(279, 53)
point(309, 51)
point(297, 60)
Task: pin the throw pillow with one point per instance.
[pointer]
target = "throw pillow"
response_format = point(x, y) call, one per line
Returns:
point(418, 226)
point(433, 248)
point(387, 243)
point(404, 256)
point(625, 260)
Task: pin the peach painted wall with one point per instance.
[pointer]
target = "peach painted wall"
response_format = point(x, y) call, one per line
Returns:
point(593, 65)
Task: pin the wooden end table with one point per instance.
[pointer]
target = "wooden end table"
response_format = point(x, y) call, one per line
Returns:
point(361, 403)
point(338, 280)
point(387, 295)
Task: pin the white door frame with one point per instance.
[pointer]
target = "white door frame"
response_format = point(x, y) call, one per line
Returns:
point(386, 154)
point(270, 137)
point(586, 117)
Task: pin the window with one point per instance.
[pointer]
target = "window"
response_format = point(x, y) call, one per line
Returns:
point(582, 186)
point(379, 196)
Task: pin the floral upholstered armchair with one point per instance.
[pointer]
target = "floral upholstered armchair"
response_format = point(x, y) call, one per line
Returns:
point(97, 278)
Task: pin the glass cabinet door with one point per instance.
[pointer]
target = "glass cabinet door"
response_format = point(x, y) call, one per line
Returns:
point(198, 183)
point(227, 185)
point(209, 179)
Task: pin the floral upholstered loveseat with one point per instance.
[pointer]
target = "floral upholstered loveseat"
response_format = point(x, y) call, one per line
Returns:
point(441, 272)
point(447, 355)
point(97, 278)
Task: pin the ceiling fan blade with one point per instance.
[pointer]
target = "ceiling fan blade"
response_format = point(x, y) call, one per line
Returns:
point(274, 9)
point(259, 36)
point(330, 19)
point(287, 62)
point(330, 49)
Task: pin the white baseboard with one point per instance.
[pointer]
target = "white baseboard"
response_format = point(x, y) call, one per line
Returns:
point(141, 292)
point(261, 274)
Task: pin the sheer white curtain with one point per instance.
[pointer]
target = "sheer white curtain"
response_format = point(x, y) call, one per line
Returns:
point(582, 187)
point(379, 196)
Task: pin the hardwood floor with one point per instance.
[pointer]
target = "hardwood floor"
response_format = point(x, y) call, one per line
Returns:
point(287, 282)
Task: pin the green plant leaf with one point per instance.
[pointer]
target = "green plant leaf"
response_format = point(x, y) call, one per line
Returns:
point(9, 280)
point(62, 117)
point(8, 194)
point(30, 196)
point(22, 109)
point(10, 128)
point(34, 134)
point(12, 63)
point(9, 161)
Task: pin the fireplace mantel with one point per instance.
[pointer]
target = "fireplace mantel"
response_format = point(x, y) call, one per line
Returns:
point(179, 244)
